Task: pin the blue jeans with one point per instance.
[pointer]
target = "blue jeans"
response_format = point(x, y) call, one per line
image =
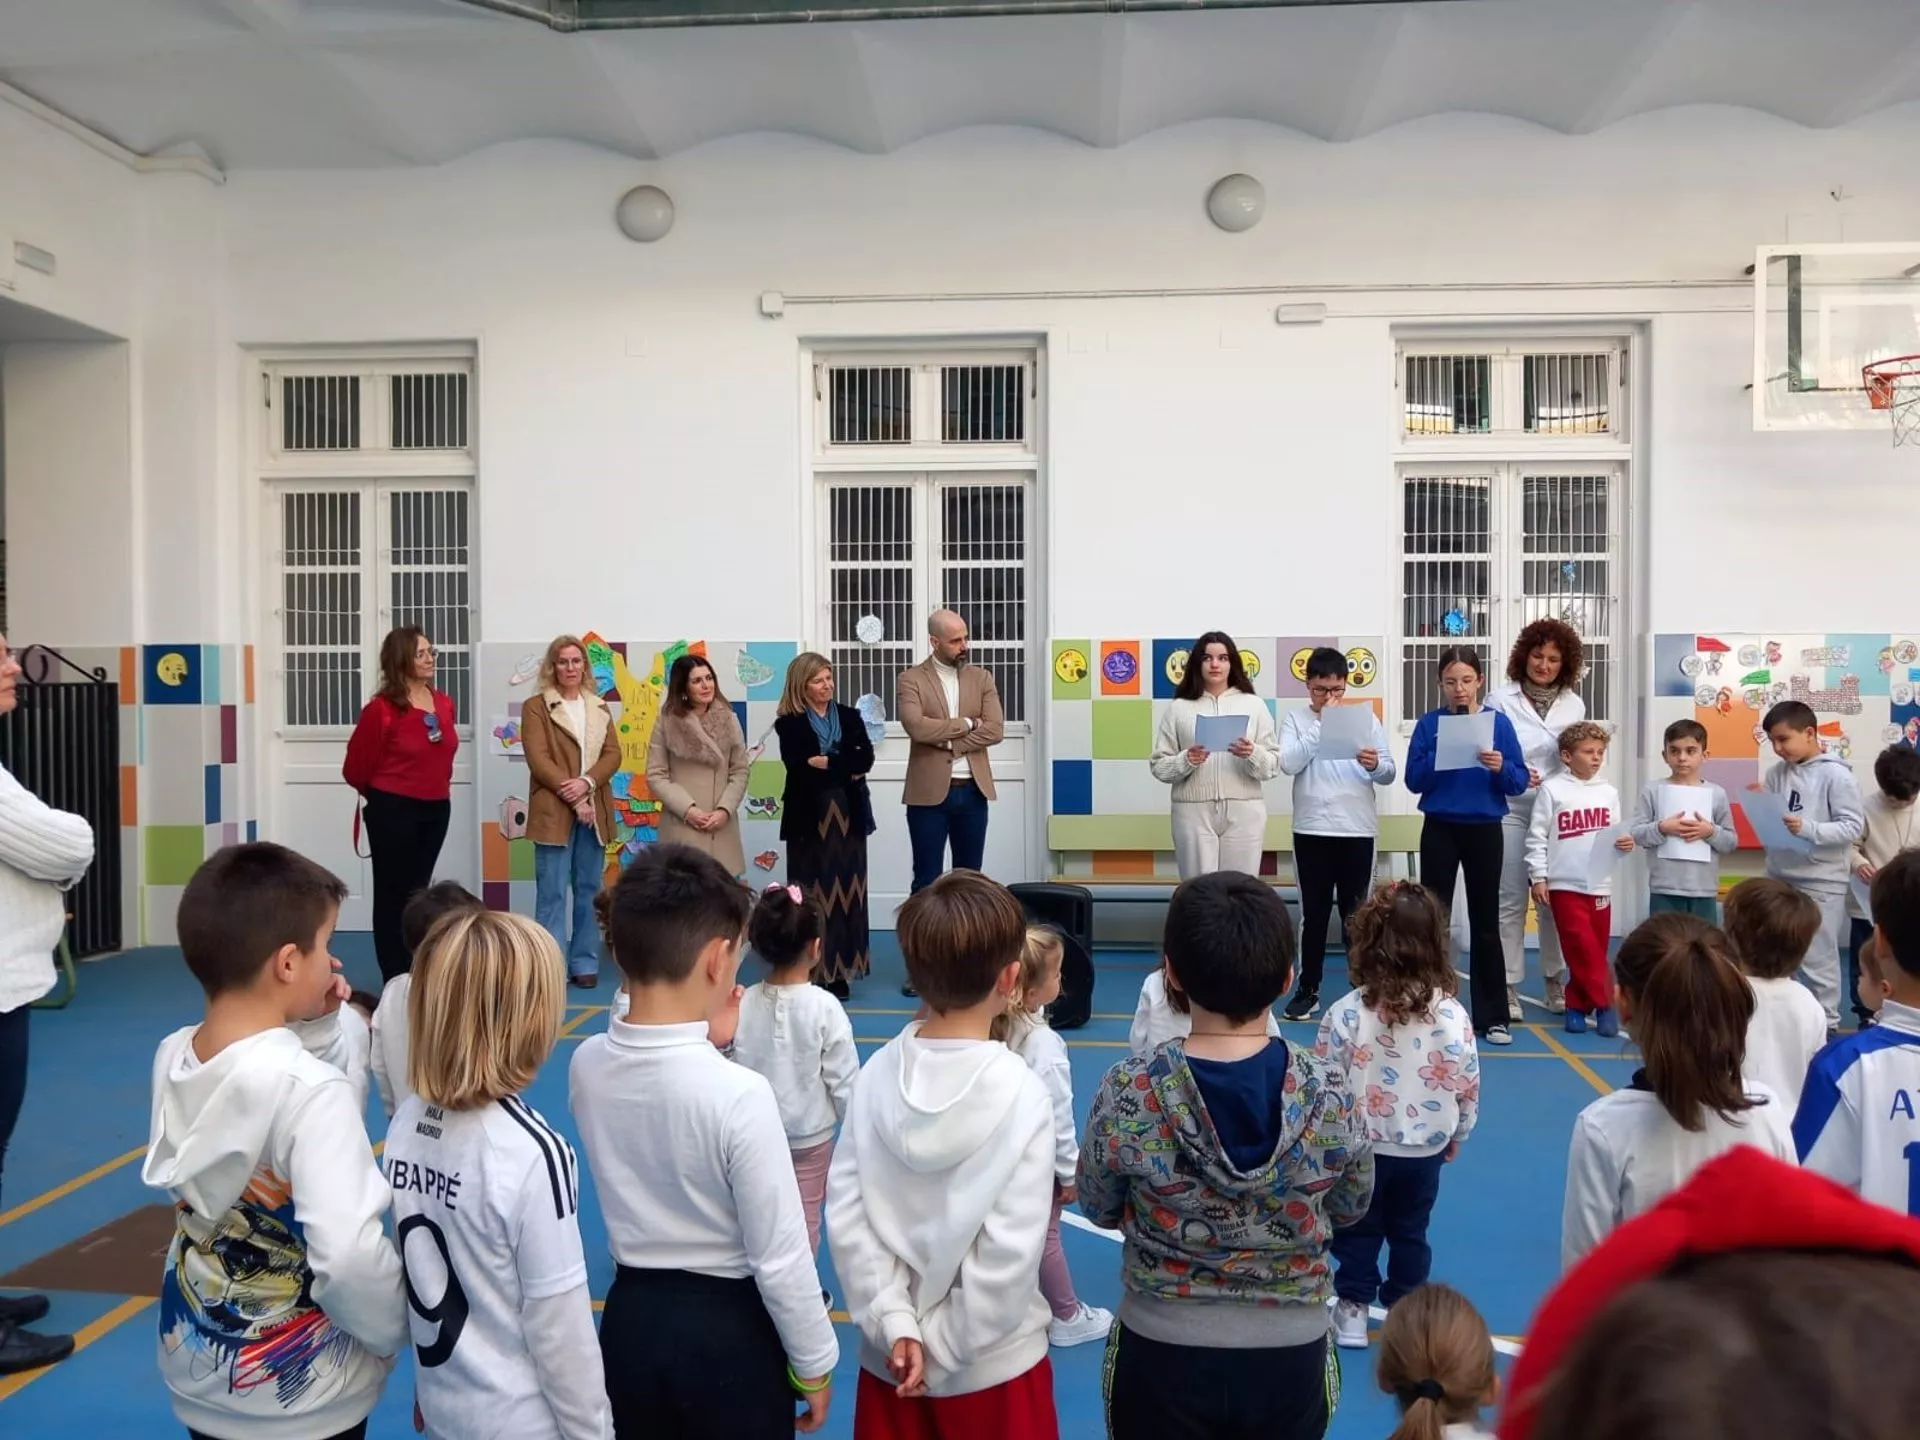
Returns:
point(579, 863)
point(960, 818)
point(1404, 1189)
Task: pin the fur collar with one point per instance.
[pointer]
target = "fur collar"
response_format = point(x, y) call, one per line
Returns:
point(704, 739)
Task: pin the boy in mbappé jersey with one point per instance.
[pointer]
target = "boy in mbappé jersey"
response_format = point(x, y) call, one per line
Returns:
point(486, 1194)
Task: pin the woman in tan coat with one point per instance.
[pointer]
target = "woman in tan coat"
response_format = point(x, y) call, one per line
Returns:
point(697, 764)
point(567, 733)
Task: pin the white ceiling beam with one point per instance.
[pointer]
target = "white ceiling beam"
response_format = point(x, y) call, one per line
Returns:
point(1884, 87)
point(615, 79)
point(1384, 30)
point(869, 67)
point(1110, 127)
point(1611, 100)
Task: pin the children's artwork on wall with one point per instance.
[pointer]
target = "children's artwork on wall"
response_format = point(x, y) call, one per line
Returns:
point(503, 737)
point(873, 714)
point(525, 670)
point(1861, 689)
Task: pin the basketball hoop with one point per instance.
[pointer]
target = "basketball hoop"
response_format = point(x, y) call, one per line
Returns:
point(1894, 386)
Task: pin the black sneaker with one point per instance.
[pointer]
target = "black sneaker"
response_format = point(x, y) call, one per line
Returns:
point(1304, 1005)
point(22, 1309)
point(23, 1350)
point(909, 992)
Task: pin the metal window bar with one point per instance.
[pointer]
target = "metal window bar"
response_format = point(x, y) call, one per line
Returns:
point(870, 572)
point(320, 412)
point(983, 576)
point(320, 607)
point(1446, 576)
point(62, 742)
point(870, 405)
point(429, 583)
point(1568, 394)
point(1448, 394)
point(1568, 569)
point(983, 404)
point(429, 411)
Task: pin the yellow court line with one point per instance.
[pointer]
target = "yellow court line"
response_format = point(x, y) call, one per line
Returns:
point(873, 1010)
point(566, 1030)
point(13, 1384)
point(1580, 1067)
point(60, 1192)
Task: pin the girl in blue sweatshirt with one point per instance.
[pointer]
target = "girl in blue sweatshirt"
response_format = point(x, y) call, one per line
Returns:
point(1464, 809)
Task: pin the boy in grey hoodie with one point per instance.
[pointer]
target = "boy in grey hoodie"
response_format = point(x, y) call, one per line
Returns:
point(1824, 807)
point(1226, 1159)
point(282, 1303)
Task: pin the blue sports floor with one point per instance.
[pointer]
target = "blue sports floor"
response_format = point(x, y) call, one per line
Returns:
point(74, 1166)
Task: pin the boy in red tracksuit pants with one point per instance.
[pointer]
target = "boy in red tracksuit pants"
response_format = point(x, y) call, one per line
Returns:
point(1577, 814)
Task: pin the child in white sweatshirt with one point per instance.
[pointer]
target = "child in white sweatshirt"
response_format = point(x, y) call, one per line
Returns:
point(486, 1196)
point(280, 1227)
point(1892, 827)
point(798, 1036)
point(1161, 1015)
point(942, 1190)
point(1575, 811)
point(388, 1028)
point(1406, 1047)
point(1024, 1030)
point(1770, 925)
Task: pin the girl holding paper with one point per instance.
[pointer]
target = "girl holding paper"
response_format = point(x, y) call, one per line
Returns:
point(1463, 794)
point(1219, 809)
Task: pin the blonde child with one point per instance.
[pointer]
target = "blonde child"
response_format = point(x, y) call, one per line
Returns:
point(1892, 827)
point(1769, 927)
point(486, 1194)
point(1162, 1015)
point(798, 1036)
point(1688, 1005)
point(1024, 1030)
point(1405, 1045)
point(1575, 811)
point(1436, 1361)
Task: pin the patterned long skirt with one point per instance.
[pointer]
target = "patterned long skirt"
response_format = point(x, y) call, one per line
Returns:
point(834, 868)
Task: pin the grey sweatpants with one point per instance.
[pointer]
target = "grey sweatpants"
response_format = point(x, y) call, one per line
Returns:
point(1820, 971)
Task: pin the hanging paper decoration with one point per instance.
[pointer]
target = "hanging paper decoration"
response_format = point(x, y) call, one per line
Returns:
point(869, 630)
point(874, 715)
point(1455, 622)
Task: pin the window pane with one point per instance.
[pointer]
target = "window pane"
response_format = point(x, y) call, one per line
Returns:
point(869, 670)
point(1448, 516)
point(429, 412)
point(1597, 682)
point(870, 405)
point(429, 585)
point(320, 608)
point(320, 412)
point(1448, 394)
point(1568, 394)
point(1566, 513)
point(983, 404)
point(867, 524)
point(1419, 679)
point(987, 524)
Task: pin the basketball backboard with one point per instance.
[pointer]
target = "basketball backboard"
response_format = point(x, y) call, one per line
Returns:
point(1820, 313)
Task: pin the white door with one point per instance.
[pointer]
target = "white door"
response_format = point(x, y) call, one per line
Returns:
point(352, 560)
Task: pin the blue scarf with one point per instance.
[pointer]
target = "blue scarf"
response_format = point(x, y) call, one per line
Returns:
point(826, 728)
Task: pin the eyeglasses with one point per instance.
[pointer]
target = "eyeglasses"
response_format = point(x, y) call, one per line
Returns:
point(1327, 692)
point(425, 652)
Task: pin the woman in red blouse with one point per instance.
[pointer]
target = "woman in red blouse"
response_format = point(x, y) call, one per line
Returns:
point(400, 759)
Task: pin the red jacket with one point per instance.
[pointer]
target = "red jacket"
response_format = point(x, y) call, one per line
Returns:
point(392, 751)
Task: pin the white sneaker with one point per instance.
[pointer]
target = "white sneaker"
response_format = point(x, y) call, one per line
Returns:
point(1350, 1325)
point(1556, 994)
point(1089, 1323)
point(1515, 1010)
point(1497, 1035)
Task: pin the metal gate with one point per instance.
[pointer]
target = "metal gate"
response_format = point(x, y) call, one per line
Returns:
point(62, 742)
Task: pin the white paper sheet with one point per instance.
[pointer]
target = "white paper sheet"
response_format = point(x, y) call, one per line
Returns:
point(1345, 730)
point(1694, 800)
point(1767, 813)
point(1214, 733)
point(1603, 857)
point(1863, 896)
point(1461, 740)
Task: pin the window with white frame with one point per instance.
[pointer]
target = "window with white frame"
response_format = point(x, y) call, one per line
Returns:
point(1520, 515)
point(925, 472)
point(370, 472)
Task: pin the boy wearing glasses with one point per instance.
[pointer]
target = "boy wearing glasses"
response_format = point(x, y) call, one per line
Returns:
point(1335, 821)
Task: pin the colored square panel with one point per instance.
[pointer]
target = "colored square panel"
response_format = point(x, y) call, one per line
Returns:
point(1119, 667)
point(1672, 655)
point(253, 831)
point(1122, 729)
point(129, 731)
point(520, 860)
point(1072, 669)
point(766, 785)
point(229, 735)
point(1864, 654)
point(1729, 736)
point(494, 861)
point(1732, 776)
point(1366, 665)
point(129, 795)
point(211, 790)
point(1118, 863)
point(1073, 787)
point(1258, 658)
point(740, 715)
point(210, 674)
point(229, 833)
point(761, 666)
point(129, 675)
point(521, 895)
point(170, 674)
point(159, 912)
point(1070, 730)
point(172, 853)
point(496, 895)
point(1169, 665)
point(247, 661)
point(1128, 787)
point(1290, 663)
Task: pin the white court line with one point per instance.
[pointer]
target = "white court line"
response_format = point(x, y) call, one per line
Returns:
point(1080, 1222)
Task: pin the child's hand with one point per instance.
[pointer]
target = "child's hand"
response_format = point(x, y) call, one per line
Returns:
point(908, 1364)
point(338, 993)
point(1453, 1154)
point(1623, 844)
point(817, 1402)
point(1494, 761)
point(1064, 1192)
point(1540, 894)
point(1196, 755)
point(1533, 777)
point(1865, 872)
point(1369, 759)
point(724, 1023)
point(1793, 824)
point(1676, 825)
point(1756, 789)
point(419, 1420)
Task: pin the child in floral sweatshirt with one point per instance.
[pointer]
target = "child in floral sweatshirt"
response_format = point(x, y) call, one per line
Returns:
point(1226, 1158)
point(1406, 1047)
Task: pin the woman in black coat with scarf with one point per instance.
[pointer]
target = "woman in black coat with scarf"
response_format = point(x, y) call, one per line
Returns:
point(826, 813)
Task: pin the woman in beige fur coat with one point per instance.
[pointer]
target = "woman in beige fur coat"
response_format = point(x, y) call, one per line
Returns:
point(697, 764)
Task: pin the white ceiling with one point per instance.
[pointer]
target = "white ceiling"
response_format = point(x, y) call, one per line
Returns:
point(350, 83)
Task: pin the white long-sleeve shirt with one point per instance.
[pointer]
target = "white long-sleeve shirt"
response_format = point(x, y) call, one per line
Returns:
point(387, 1042)
point(1539, 734)
point(1787, 1030)
point(1628, 1154)
point(799, 1037)
point(1570, 817)
point(693, 1171)
point(1155, 1021)
point(1221, 776)
point(1045, 1051)
point(1332, 797)
point(43, 854)
point(1857, 1122)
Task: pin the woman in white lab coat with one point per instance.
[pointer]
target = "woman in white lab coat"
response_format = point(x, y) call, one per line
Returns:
point(1219, 808)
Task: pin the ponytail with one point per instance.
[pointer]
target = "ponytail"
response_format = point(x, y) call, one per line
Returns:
point(1040, 956)
point(1691, 1007)
point(784, 925)
point(1436, 1360)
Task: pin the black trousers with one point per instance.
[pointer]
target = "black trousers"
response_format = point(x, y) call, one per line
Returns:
point(693, 1357)
point(13, 1073)
point(1860, 931)
point(1157, 1391)
point(405, 836)
point(1447, 848)
point(1404, 1190)
point(1326, 866)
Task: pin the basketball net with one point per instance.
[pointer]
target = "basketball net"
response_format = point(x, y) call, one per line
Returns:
point(1894, 386)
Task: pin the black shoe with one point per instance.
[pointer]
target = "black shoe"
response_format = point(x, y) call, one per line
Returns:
point(584, 982)
point(24, 1350)
point(1304, 1005)
point(22, 1309)
point(909, 992)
